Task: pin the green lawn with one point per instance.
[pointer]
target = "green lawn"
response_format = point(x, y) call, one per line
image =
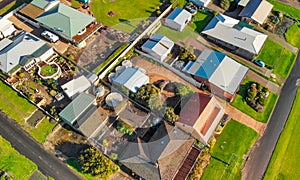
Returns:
point(72, 162)
point(241, 104)
point(200, 20)
point(127, 15)
point(234, 142)
point(285, 160)
point(18, 109)
point(17, 165)
point(293, 35)
point(273, 54)
point(278, 6)
point(177, 35)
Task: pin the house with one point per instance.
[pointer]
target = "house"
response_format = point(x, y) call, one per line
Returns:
point(6, 28)
point(235, 36)
point(162, 156)
point(219, 72)
point(158, 46)
point(15, 52)
point(256, 11)
point(200, 3)
point(131, 78)
point(78, 107)
point(76, 86)
point(200, 116)
point(59, 18)
point(178, 19)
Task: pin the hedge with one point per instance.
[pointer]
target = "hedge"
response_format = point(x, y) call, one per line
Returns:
point(110, 59)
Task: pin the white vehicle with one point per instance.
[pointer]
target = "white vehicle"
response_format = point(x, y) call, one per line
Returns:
point(50, 36)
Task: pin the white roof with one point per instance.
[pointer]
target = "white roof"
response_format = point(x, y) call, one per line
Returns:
point(180, 16)
point(229, 75)
point(159, 44)
point(132, 79)
point(257, 10)
point(243, 2)
point(76, 86)
point(228, 30)
point(23, 45)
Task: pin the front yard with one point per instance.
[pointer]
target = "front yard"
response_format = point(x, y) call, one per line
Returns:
point(240, 103)
point(276, 56)
point(293, 35)
point(126, 15)
point(229, 150)
point(16, 165)
point(285, 160)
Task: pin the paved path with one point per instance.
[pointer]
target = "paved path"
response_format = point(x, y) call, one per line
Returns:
point(5, 3)
point(22, 142)
point(262, 150)
point(243, 118)
point(275, 88)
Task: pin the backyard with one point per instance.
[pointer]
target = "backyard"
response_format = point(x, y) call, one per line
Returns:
point(293, 35)
point(285, 160)
point(229, 152)
point(292, 11)
point(276, 56)
point(123, 15)
point(200, 20)
point(16, 165)
point(240, 103)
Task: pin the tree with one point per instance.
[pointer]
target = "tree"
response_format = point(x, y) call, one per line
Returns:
point(170, 115)
point(149, 95)
point(183, 90)
point(225, 4)
point(95, 163)
point(155, 102)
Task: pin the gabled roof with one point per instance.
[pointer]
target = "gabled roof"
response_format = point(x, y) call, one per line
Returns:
point(257, 10)
point(132, 79)
point(179, 15)
point(77, 107)
point(75, 86)
point(65, 20)
point(218, 69)
point(22, 45)
point(230, 31)
point(159, 44)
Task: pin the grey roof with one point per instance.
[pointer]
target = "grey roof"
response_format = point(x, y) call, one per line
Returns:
point(219, 69)
point(159, 44)
point(75, 86)
point(257, 10)
point(180, 16)
point(228, 30)
point(26, 59)
point(132, 79)
point(23, 45)
point(41, 3)
point(78, 106)
point(243, 2)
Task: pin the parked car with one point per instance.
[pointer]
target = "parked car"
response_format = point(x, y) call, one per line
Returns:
point(50, 36)
point(260, 63)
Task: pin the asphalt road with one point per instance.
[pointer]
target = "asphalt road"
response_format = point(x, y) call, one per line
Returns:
point(260, 156)
point(22, 142)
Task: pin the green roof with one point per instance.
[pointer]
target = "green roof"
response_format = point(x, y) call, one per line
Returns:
point(78, 106)
point(65, 20)
point(40, 3)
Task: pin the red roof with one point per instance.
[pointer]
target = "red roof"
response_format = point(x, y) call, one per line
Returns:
point(193, 108)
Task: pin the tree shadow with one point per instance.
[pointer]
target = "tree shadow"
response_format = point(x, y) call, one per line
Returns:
point(71, 149)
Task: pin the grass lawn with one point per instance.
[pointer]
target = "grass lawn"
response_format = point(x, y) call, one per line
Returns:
point(129, 14)
point(241, 104)
point(72, 162)
point(200, 20)
point(49, 70)
point(18, 108)
point(273, 54)
point(234, 142)
point(278, 6)
point(285, 160)
point(177, 35)
point(13, 5)
point(16, 165)
point(293, 35)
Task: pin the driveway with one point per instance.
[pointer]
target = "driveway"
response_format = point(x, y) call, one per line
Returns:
point(22, 142)
point(262, 150)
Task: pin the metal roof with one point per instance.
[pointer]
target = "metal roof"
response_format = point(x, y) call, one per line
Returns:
point(257, 10)
point(159, 44)
point(23, 45)
point(179, 16)
point(75, 86)
point(65, 20)
point(228, 30)
point(78, 106)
